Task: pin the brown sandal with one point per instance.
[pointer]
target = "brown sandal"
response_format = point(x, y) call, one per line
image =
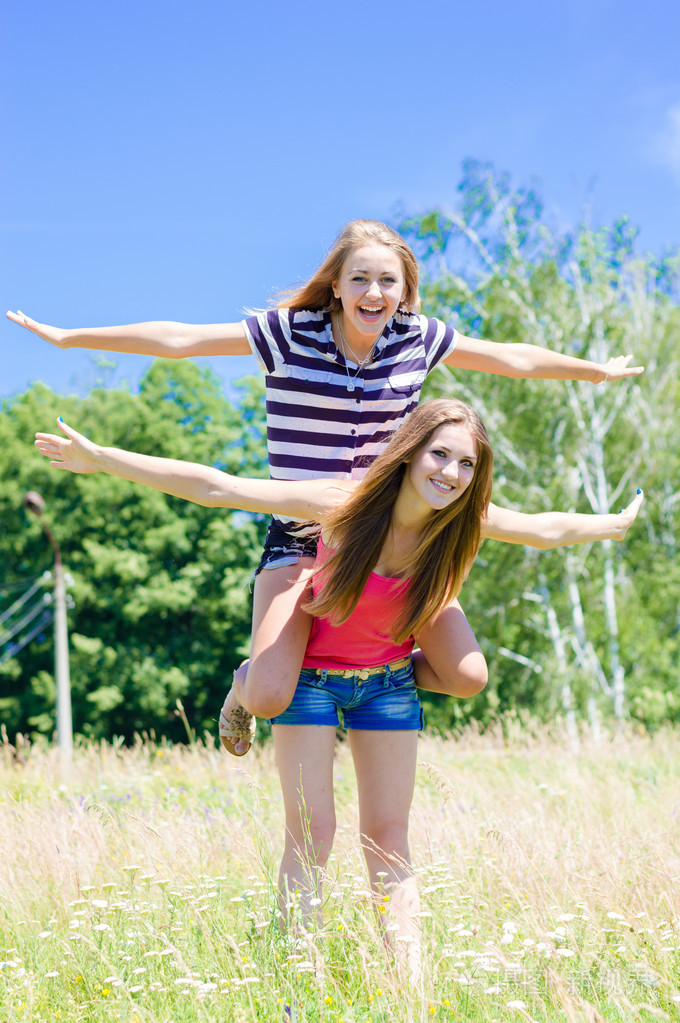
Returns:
point(241, 726)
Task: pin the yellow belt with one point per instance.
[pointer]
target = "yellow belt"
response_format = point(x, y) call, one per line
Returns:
point(364, 673)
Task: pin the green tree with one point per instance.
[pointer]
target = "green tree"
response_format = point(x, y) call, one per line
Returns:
point(160, 586)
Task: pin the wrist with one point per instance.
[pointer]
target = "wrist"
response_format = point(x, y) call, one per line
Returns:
point(601, 374)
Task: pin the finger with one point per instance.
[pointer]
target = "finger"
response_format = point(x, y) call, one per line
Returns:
point(68, 430)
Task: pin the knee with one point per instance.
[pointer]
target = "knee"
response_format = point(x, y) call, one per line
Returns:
point(472, 675)
point(263, 694)
point(389, 841)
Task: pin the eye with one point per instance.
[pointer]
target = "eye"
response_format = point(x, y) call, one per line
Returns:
point(467, 463)
point(438, 453)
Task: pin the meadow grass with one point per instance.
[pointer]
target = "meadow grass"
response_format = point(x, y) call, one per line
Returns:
point(143, 886)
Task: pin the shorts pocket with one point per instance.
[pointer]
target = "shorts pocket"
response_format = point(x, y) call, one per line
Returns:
point(402, 679)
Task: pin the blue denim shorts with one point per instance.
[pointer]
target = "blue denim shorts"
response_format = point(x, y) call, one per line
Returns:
point(385, 702)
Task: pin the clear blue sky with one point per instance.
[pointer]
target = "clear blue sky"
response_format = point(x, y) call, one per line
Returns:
point(182, 160)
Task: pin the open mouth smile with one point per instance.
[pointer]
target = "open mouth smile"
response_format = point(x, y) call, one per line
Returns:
point(441, 487)
point(371, 313)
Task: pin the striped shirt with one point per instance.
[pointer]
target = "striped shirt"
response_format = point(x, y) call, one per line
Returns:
point(327, 417)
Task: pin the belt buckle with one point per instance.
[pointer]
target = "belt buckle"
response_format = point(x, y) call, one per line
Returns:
point(364, 674)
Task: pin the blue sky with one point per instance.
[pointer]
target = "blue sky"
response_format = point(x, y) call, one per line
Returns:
point(182, 161)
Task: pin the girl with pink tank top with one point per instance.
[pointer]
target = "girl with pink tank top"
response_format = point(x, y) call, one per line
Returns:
point(397, 547)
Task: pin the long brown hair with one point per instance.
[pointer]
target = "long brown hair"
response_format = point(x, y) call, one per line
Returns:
point(317, 292)
point(448, 541)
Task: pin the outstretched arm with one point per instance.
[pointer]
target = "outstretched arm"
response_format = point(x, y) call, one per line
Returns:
point(558, 529)
point(202, 484)
point(532, 361)
point(162, 338)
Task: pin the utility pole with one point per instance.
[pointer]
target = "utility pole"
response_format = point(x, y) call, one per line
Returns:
point(35, 503)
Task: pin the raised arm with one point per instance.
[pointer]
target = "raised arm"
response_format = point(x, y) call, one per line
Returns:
point(532, 361)
point(202, 484)
point(558, 529)
point(162, 338)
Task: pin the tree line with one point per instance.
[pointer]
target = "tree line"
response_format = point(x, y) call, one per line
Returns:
point(160, 587)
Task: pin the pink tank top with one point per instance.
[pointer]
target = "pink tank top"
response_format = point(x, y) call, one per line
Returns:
point(364, 640)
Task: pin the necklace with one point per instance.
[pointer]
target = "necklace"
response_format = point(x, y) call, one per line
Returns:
point(361, 363)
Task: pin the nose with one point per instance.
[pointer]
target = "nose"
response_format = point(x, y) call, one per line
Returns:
point(374, 290)
point(450, 470)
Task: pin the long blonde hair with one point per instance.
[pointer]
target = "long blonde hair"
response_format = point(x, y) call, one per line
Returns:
point(317, 292)
point(449, 540)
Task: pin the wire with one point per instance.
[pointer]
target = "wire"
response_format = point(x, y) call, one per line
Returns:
point(21, 600)
point(18, 583)
point(14, 648)
point(28, 616)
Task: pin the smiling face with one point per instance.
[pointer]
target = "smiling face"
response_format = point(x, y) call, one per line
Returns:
point(370, 287)
point(443, 468)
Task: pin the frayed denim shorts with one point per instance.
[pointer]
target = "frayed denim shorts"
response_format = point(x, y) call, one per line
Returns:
point(386, 701)
point(287, 546)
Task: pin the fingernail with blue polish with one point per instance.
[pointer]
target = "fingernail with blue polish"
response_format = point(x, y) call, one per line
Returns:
point(60, 419)
point(639, 491)
point(620, 510)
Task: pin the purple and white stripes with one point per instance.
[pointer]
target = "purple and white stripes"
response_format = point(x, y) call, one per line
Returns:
point(324, 417)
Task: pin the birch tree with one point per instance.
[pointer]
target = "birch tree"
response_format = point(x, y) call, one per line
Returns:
point(562, 634)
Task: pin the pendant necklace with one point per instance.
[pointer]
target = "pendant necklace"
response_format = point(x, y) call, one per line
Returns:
point(361, 363)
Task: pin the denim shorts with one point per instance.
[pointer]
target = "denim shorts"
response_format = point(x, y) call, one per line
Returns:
point(385, 702)
point(287, 546)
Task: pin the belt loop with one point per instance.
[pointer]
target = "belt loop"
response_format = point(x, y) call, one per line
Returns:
point(324, 675)
point(388, 672)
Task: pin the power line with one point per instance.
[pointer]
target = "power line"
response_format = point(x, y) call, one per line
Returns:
point(14, 648)
point(18, 583)
point(24, 597)
point(28, 616)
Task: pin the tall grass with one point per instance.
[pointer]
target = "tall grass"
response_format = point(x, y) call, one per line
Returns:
point(142, 888)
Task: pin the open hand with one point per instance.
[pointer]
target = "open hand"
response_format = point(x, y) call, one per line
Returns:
point(627, 516)
point(617, 368)
point(55, 335)
point(73, 452)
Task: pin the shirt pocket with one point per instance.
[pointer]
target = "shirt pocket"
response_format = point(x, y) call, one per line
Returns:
point(310, 379)
point(406, 383)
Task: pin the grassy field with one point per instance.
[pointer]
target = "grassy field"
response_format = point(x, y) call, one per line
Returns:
point(142, 888)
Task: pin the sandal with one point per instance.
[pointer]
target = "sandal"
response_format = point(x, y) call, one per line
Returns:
point(241, 726)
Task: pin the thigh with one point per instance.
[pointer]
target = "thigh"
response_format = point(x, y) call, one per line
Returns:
point(385, 764)
point(279, 636)
point(451, 650)
point(304, 759)
point(278, 618)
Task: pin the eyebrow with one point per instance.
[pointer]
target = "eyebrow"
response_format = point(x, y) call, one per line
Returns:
point(360, 270)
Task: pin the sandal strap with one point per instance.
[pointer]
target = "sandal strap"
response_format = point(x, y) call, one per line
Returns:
point(242, 728)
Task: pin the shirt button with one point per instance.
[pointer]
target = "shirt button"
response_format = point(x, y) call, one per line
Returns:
point(358, 401)
point(354, 433)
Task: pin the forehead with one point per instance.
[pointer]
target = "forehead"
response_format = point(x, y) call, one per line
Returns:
point(374, 258)
point(455, 437)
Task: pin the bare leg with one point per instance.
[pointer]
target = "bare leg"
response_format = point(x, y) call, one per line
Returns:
point(304, 758)
point(279, 637)
point(450, 660)
point(385, 764)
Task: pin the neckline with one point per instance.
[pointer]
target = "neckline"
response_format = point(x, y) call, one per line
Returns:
point(387, 578)
point(333, 348)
